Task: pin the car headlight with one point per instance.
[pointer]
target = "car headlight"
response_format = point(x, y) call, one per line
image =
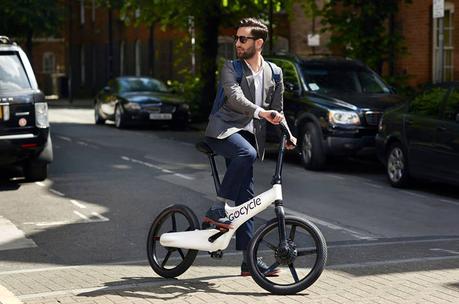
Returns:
point(132, 106)
point(41, 115)
point(343, 117)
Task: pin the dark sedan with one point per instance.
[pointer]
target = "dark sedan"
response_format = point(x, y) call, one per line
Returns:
point(134, 100)
point(421, 138)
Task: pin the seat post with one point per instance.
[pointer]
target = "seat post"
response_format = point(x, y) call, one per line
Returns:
point(213, 167)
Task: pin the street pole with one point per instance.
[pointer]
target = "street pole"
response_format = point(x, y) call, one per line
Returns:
point(110, 43)
point(191, 29)
point(438, 13)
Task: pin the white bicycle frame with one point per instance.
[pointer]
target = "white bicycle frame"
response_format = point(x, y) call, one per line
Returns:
point(199, 239)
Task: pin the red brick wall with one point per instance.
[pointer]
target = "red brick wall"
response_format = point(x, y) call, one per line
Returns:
point(416, 24)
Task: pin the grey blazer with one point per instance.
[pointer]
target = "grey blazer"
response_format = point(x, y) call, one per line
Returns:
point(239, 106)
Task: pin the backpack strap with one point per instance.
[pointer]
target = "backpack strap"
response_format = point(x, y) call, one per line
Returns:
point(276, 76)
point(237, 65)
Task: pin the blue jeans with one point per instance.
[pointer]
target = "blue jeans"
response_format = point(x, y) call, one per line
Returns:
point(237, 185)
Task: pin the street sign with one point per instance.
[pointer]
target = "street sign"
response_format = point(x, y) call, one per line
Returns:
point(313, 40)
point(438, 8)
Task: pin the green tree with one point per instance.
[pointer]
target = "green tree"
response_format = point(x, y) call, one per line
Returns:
point(26, 19)
point(364, 30)
point(209, 16)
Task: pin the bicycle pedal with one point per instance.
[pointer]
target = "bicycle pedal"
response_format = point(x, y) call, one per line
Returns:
point(216, 254)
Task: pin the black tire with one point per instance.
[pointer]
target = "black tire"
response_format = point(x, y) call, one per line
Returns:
point(310, 247)
point(35, 171)
point(397, 166)
point(120, 117)
point(155, 249)
point(312, 153)
point(97, 118)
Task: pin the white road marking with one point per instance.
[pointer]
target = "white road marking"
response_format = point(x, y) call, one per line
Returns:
point(150, 165)
point(184, 176)
point(13, 238)
point(374, 185)
point(81, 215)
point(102, 218)
point(8, 297)
point(445, 250)
point(56, 192)
point(354, 233)
point(45, 224)
point(78, 204)
point(335, 176)
point(82, 143)
point(65, 138)
point(40, 184)
point(414, 194)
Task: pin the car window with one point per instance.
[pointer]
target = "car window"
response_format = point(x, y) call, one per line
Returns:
point(372, 84)
point(12, 74)
point(428, 102)
point(289, 73)
point(142, 85)
point(451, 110)
point(333, 79)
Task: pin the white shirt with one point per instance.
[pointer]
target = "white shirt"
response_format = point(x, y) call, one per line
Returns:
point(258, 83)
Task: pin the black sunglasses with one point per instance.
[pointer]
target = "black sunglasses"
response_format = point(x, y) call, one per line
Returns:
point(243, 39)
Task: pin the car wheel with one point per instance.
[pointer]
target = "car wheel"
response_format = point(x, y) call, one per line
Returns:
point(35, 171)
point(120, 119)
point(98, 119)
point(397, 166)
point(312, 153)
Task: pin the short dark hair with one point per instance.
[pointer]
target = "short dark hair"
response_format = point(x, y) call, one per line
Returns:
point(258, 29)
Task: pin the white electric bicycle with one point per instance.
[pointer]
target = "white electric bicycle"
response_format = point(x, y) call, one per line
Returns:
point(292, 244)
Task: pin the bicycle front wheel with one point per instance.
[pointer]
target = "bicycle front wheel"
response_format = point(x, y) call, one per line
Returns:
point(300, 262)
point(171, 262)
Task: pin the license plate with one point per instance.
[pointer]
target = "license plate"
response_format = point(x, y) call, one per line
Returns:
point(161, 116)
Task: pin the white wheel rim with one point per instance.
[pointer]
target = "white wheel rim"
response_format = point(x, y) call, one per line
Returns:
point(307, 147)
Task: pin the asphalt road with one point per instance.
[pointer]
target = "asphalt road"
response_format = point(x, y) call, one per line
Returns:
point(107, 185)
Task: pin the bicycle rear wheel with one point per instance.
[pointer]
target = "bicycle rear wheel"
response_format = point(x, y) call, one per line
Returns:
point(171, 262)
point(300, 264)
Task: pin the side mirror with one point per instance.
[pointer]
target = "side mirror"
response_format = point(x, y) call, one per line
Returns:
point(107, 89)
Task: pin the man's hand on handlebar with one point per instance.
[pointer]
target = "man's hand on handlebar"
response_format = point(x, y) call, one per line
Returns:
point(275, 118)
point(290, 143)
point(272, 116)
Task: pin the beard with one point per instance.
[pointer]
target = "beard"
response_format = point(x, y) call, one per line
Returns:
point(245, 54)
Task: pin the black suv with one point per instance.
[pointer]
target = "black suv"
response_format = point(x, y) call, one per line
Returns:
point(24, 127)
point(332, 104)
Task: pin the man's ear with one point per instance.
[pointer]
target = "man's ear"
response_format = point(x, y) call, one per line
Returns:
point(259, 43)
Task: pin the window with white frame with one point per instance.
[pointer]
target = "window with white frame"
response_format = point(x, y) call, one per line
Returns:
point(49, 63)
point(137, 58)
point(448, 46)
point(83, 65)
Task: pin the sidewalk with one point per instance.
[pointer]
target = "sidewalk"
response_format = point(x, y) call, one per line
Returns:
point(218, 281)
point(75, 103)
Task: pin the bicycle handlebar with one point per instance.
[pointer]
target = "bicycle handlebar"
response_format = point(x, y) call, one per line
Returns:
point(284, 127)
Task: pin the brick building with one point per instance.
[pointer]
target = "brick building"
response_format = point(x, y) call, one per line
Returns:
point(97, 45)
